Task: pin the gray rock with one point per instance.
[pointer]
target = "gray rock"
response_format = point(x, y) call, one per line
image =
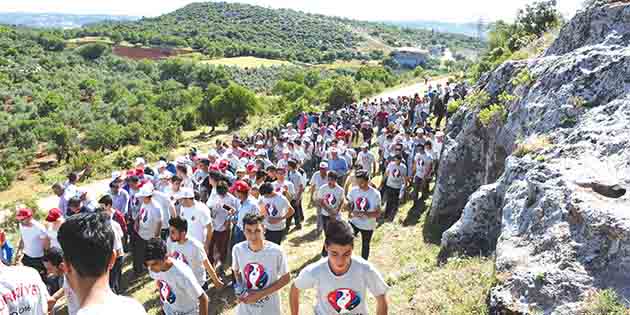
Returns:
point(557, 219)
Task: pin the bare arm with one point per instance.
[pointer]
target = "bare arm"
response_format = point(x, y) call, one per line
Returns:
point(294, 300)
point(203, 304)
point(213, 274)
point(209, 232)
point(381, 305)
point(255, 296)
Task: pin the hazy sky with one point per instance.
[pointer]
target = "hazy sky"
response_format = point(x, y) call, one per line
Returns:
point(437, 10)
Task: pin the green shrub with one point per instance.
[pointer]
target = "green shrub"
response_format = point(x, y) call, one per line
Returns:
point(506, 98)
point(605, 302)
point(477, 98)
point(523, 78)
point(495, 112)
point(93, 162)
point(454, 106)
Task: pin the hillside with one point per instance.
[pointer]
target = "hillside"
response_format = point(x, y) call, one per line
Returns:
point(231, 29)
point(57, 20)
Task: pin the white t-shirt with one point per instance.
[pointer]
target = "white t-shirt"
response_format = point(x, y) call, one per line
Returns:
point(72, 300)
point(118, 235)
point(115, 304)
point(258, 271)
point(33, 237)
point(318, 181)
point(164, 201)
point(331, 197)
point(218, 213)
point(149, 220)
point(345, 294)
point(192, 254)
point(249, 206)
point(279, 187)
point(366, 201)
point(178, 289)
point(276, 207)
point(366, 160)
point(51, 233)
point(198, 217)
point(422, 162)
point(27, 294)
point(395, 175)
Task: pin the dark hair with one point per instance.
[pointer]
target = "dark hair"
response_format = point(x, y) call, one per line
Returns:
point(113, 184)
point(428, 143)
point(54, 256)
point(261, 174)
point(222, 188)
point(72, 177)
point(333, 175)
point(182, 168)
point(155, 250)
point(87, 240)
point(339, 233)
point(106, 200)
point(176, 178)
point(74, 202)
point(205, 162)
point(133, 179)
point(362, 174)
point(266, 188)
point(292, 163)
point(179, 224)
point(253, 219)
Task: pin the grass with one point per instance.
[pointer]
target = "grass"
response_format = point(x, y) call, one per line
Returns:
point(533, 144)
point(495, 112)
point(246, 62)
point(604, 302)
point(407, 262)
point(343, 64)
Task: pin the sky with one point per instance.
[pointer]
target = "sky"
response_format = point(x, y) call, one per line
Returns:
point(435, 10)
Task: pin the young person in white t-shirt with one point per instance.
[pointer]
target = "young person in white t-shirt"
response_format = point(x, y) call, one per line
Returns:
point(191, 252)
point(261, 270)
point(178, 288)
point(222, 206)
point(87, 241)
point(32, 240)
point(116, 272)
point(198, 216)
point(422, 170)
point(367, 160)
point(276, 209)
point(364, 205)
point(147, 225)
point(395, 179)
point(32, 301)
point(318, 180)
point(341, 280)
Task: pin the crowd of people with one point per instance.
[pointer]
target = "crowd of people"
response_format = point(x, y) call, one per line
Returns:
point(219, 217)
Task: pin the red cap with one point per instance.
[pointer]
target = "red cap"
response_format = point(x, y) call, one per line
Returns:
point(139, 172)
point(214, 167)
point(241, 186)
point(53, 215)
point(24, 213)
point(251, 168)
point(131, 173)
point(223, 164)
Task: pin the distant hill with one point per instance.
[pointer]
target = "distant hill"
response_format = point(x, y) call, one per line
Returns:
point(233, 29)
point(57, 20)
point(469, 28)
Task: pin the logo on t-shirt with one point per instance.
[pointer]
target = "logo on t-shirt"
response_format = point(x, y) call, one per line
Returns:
point(396, 173)
point(271, 210)
point(143, 215)
point(330, 199)
point(344, 300)
point(179, 256)
point(166, 294)
point(255, 276)
point(362, 204)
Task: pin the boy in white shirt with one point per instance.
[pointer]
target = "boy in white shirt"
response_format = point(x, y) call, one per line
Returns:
point(341, 280)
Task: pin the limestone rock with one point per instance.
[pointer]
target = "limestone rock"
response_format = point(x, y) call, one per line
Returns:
point(557, 218)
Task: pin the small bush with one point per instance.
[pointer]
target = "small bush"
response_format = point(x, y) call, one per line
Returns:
point(506, 97)
point(605, 302)
point(493, 112)
point(523, 78)
point(477, 98)
point(534, 143)
point(454, 106)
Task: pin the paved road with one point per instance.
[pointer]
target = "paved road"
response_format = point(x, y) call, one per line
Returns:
point(98, 188)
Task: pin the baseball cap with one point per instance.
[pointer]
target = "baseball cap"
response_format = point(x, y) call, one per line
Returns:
point(223, 164)
point(261, 152)
point(24, 213)
point(241, 186)
point(145, 191)
point(116, 175)
point(323, 165)
point(161, 164)
point(251, 168)
point(140, 161)
point(53, 215)
point(259, 142)
point(364, 146)
point(185, 192)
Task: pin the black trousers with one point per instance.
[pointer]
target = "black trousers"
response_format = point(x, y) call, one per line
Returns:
point(115, 274)
point(366, 237)
point(139, 246)
point(297, 217)
point(274, 236)
point(36, 263)
point(392, 199)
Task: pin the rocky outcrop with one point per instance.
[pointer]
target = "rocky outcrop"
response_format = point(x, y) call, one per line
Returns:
point(557, 216)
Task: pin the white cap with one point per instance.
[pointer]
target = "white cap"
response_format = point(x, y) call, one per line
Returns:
point(259, 142)
point(185, 192)
point(261, 152)
point(161, 164)
point(145, 191)
point(165, 175)
point(140, 160)
point(323, 165)
point(365, 145)
point(181, 160)
point(213, 152)
point(116, 175)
